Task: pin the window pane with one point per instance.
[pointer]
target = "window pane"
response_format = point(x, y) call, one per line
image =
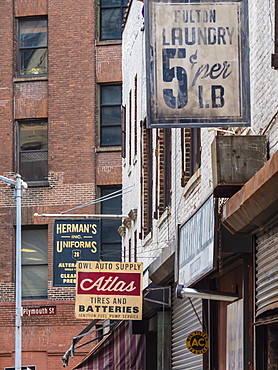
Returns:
point(111, 95)
point(34, 282)
point(34, 263)
point(33, 33)
point(33, 136)
point(111, 136)
point(112, 205)
point(111, 116)
point(111, 240)
point(33, 61)
point(110, 3)
point(110, 231)
point(111, 22)
point(34, 247)
point(111, 252)
point(33, 166)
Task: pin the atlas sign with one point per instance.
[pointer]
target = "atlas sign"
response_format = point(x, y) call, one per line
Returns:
point(109, 290)
point(197, 63)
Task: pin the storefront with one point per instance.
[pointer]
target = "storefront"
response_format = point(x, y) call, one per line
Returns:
point(254, 210)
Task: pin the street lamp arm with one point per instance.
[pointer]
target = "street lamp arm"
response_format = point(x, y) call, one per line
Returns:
point(10, 181)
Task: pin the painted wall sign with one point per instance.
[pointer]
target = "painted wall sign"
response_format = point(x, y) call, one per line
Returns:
point(197, 63)
point(196, 245)
point(74, 240)
point(39, 311)
point(234, 352)
point(109, 290)
point(197, 342)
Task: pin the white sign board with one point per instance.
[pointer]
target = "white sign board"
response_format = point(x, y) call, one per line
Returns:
point(194, 60)
point(196, 245)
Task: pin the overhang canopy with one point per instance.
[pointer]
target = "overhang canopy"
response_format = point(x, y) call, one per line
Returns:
point(250, 209)
point(119, 350)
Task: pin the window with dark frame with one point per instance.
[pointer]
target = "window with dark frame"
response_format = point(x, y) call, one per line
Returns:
point(147, 180)
point(111, 15)
point(123, 120)
point(32, 150)
point(129, 127)
point(165, 145)
point(32, 46)
point(190, 152)
point(111, 243)
point(110, 115)
point(34, 251)
point(135, 115)
point(274, 57)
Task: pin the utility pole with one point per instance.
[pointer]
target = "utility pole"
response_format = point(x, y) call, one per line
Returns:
point(19, 185)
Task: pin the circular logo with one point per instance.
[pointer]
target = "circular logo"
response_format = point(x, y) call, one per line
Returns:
point(197, 342)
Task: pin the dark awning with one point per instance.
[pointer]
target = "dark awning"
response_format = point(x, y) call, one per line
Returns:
point(119, 350)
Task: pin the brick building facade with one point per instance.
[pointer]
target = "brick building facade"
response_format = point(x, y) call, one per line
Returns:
point(58, 78)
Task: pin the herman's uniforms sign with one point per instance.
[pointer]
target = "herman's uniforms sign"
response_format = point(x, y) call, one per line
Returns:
point(74, 240)
point(197, 62)
point(109, 290)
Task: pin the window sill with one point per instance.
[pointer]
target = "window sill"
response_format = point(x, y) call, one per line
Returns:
point(192, 182)
point(37, 184)
point(164, 216)
point(147, 239)
point(30, 78)
point(108, 42)
point(109, 149)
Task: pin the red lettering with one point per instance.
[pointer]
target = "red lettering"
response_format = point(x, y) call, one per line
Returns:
point(108, 283)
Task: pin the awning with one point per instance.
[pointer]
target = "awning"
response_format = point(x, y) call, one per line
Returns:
point(118, 350)
point(252, 207)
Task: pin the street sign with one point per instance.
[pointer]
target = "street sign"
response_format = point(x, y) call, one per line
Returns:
point(39, 311)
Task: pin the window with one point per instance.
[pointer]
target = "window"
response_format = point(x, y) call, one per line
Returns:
point(165, 149)
point(147, 177)
point(190, 152)
point(110, 115)
point(274, 61)
point(32, 156)
point(32, 46)
point(34, 263)
point(111, 242)
point(111, 16)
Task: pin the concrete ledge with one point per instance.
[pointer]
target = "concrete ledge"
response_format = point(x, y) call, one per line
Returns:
point(256, 203)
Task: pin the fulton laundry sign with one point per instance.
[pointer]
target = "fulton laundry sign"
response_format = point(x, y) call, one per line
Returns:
point(109, 290)
point(197, 63)
point(196, 245)
point(74, 240)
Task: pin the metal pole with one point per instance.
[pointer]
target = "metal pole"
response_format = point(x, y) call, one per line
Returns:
point(19, 185)
point(18, 195)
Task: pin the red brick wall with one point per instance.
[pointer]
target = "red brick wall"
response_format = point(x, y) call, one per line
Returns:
point(67, 97)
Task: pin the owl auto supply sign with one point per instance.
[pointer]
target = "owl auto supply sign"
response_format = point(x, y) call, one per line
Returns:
point(109, 290)
point(197, 63)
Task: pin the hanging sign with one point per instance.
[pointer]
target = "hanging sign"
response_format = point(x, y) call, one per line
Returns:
point(197, 63)
point(197, 342)
point(74, 240)
point(196, 245)
point(109, 290)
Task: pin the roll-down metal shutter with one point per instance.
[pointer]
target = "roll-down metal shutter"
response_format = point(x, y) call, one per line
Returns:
point(267, 269)
point(184, 321)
